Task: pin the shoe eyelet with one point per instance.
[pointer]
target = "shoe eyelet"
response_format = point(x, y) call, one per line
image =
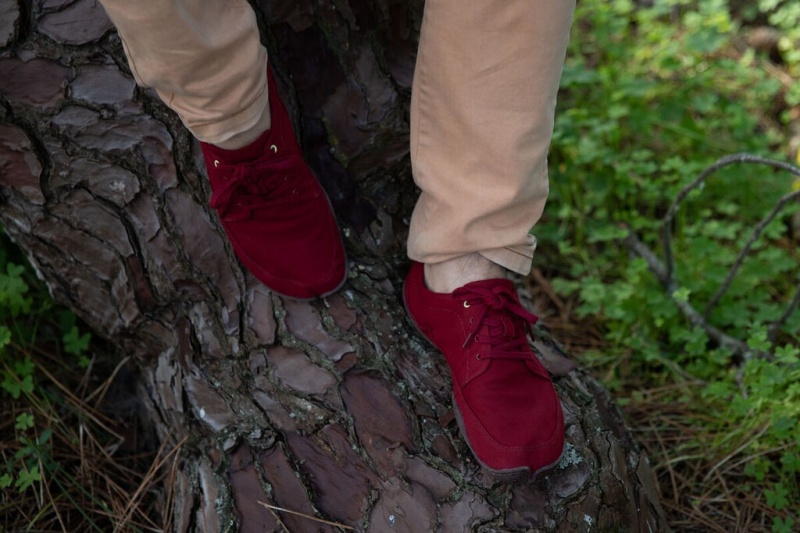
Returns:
point(273, 148)
point(466, 304)
point(216, 163)
point(478, 356)
point(471, 319)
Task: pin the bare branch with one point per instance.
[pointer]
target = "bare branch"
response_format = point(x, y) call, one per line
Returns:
point(773, 330)
point(698, 181)
point(659, 270)
point(746, 249)
point(665, 272)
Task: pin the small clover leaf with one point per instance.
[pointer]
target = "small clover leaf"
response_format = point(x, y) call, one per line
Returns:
point(75, 343)
point(24, 421)
point(777, 498)
point(27, 478)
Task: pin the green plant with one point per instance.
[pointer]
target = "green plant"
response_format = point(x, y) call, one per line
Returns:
point(651, 97)
point(57, 470)
point(785, 16)
point(23, 470)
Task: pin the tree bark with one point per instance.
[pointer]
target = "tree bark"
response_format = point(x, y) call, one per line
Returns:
point(334, 408)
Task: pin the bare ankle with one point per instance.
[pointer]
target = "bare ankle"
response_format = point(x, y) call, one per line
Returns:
point(447, 276)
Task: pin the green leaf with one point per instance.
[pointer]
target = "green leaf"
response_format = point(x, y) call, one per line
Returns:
point(758, 339)
point(13, 289)
point(608, 232)
point(791, 463)
point(11, 385)
point(26, 385)
point(682, 294)
point(26, 478)
point(24, 367)
point(787, 355)
point(5, 336)
point(6, 480)
point(783, 526)
point(44, 437)
point(75, 343)
point(777, 498)
point(24, 421)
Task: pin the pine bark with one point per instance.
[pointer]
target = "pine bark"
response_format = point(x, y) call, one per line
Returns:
point(334, 408)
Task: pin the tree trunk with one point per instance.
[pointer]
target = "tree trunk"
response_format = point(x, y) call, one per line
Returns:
point(334, 408)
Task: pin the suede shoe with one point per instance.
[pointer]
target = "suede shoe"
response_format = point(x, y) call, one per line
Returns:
point(275, 212)
point(504, 400)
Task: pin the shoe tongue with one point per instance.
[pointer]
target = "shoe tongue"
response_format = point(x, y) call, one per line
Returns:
point(509, 321)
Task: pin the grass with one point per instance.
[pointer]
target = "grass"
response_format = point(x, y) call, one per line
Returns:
point(74, 455)
point(652, 95)
point(703, 488)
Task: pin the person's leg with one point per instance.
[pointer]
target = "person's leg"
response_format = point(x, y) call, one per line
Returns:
point(205, 60)
point(481, 121)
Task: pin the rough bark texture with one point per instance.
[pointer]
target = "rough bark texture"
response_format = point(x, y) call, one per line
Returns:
point(333, 408)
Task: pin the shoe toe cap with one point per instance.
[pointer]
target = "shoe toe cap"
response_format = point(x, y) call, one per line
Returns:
point(514, 427)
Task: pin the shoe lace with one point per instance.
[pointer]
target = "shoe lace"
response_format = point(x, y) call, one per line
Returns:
point(500, 309)
point(260, 178)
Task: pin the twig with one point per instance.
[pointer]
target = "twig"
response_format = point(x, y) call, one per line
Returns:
point(101, 391)
point(772, 331)
point(734, 453)
point(170, 488)
point(277, 518)
point(126, 515)
point(749, 458)
point(720, 163)
point(71, 398)
point(335, 524)
point(46, 487)
point(670, 470)
point(660, 271)
point(547, 288)
point(665, 272)
point(757, 231)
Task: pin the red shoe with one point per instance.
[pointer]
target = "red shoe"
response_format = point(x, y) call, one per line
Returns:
point(275, 212)
point(504, 400)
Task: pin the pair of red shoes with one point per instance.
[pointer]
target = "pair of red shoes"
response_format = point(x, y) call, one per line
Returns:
point(282, 228)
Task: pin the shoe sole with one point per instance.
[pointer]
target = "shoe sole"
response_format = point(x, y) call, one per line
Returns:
point(517, 475)
point(296, 298)
point(323, 295)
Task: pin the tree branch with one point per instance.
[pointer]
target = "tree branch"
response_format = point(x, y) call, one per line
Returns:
point(746, 249)
point(660, 271)
point(665, 271)
point(698, 181)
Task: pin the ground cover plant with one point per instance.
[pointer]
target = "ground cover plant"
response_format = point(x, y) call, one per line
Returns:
point(653, 94)
point(72, 455)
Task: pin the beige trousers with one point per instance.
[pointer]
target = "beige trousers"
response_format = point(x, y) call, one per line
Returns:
point(482, 105)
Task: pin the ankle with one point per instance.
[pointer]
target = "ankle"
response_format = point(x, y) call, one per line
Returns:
point(447, 276)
